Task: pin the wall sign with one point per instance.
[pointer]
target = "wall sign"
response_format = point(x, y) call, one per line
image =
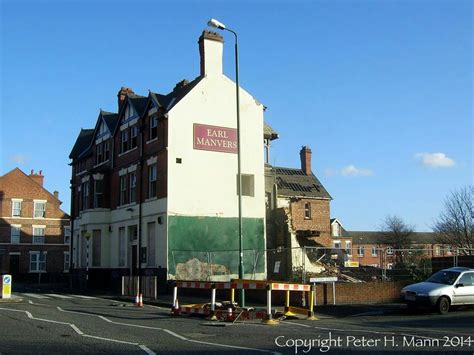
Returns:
point(215, 139)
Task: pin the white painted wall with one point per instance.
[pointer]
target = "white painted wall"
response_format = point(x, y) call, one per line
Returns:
point(101, 219)
point(210, 177)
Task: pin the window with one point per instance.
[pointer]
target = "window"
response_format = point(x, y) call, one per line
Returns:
point(67, 261)
point(123, 189)
point(248, 185)
point(153, 127)
point(37, 261)
point(96, 247)
point(335, 229)
point(67, 235)
point(437, 250)
point(374, 251)
point(151, 243)
point(39, 209)
point(133, 137)
point(467, 279)
point(360, 251)
point(152, 181)
point(38, 234)
point(307, 210)
point(133, 187)
point(125, 144)
point(98, 186)
point(15, 234)
point(337, 244)
point(129, 138)
point(102, 152)
point(16, 208)
point(85, 195)
point(348, 248)
point(122, 246)
point(133, 233)
point(389, 251)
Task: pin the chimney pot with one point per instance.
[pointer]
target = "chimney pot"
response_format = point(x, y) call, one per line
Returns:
point(38, 178)
point(56, 195)
point(305, 155)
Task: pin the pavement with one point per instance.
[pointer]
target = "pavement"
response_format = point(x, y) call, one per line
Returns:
point(12, 299)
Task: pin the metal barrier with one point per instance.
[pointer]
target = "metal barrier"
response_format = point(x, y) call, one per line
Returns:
point(238, 284)
point(149, 286)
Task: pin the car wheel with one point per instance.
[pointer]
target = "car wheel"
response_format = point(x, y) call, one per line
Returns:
point(443, 305)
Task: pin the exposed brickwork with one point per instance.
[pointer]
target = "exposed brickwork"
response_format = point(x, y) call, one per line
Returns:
point(18, 185)
point(318, 222)
point(305, 156)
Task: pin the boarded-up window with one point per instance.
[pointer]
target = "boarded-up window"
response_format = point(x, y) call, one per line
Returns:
point(248, 185)
point(97, 247)
point(151, 243)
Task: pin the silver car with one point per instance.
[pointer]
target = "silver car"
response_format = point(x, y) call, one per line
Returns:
point(445, 288)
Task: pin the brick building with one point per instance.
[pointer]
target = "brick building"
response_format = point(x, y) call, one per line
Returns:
point(34, 231)
point(298, 216)
point(154, 184)
point(369, 249)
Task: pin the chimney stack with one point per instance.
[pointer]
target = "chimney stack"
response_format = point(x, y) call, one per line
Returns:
point(211, 45)
point(305, 155)
point(56, 195)
point(38, 178)
point(122, 95)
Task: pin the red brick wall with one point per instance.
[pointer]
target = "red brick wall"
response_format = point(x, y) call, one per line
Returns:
point(16, 184)
point(320, 219)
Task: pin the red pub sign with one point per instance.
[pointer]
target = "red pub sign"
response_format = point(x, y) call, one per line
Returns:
point(215, 139)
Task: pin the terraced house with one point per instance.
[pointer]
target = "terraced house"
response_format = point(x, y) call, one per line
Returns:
point(34, 231)
point(155, 183)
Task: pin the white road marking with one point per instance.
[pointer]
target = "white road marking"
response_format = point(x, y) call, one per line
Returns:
point(35, 295)
point(55, 295)
point(77, 330)
point(169, 332)
point(84, 297)
point(145, 349)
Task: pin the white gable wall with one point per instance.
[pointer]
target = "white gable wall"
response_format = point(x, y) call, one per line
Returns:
point(210, 177)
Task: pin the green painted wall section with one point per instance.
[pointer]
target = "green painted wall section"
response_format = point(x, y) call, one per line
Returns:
point(216, 240)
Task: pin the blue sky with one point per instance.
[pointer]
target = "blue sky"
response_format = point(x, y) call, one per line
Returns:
point(380, 90)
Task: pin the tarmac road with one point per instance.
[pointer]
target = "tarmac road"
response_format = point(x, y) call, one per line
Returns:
point(46, 323)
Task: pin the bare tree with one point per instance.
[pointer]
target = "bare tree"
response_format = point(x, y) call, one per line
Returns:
point(396, 233)
point(454, 225)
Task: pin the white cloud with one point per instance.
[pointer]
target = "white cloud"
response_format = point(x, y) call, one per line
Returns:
point(435, 160)
point(351, 170)
point(19, 158)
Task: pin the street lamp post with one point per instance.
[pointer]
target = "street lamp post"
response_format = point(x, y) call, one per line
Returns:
point(216, 24)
